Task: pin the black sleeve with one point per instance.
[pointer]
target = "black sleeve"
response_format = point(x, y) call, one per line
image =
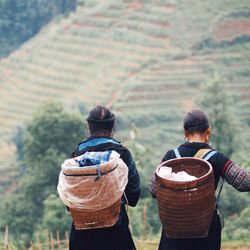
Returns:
point(235, 175)
point(169, 155)
point(218, 161)
point(133, 189)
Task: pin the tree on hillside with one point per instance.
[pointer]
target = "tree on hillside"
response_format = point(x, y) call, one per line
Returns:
point(22, 19)
point(229, 135)
point(51, 137)
point(223, 111)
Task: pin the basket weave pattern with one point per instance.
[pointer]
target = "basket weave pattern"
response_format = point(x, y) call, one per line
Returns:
point(98, 219)
point(93, 197)
point(186, 208)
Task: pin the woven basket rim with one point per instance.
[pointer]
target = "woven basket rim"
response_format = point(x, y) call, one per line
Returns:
point(199, 179)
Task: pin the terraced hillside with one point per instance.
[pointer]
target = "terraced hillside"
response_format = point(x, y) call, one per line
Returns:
point(145, 59)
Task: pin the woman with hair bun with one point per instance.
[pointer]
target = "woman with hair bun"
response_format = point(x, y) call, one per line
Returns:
point(197, 133)
point(101, 125)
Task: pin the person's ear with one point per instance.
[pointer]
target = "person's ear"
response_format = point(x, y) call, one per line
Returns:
point(185, 135)
point(208, 134)
point(209, 131)
point(88, 129)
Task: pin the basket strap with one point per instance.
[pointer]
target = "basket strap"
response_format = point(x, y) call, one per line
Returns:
point(205, 154)
point(209, 153)
point(201, 153)
point(208, 156)
point(219, 193)
point(177, 153)
point(99, 175)
point(103, 158)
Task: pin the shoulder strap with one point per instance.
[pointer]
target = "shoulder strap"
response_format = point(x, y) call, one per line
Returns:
point(209, 155)
point(205, 153)
point(219, 193)
point(177, 153)
point(202, 152)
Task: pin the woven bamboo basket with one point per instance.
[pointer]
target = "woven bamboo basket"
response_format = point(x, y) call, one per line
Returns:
point(99, 219)
point(186, 208)
point(93, 197)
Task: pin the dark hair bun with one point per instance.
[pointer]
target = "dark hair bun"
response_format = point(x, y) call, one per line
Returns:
point(100, 114)
point(196, 120)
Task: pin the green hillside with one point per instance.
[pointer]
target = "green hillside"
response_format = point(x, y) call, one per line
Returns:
point(145, 59)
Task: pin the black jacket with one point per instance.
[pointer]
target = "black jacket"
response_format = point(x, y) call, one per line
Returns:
point(117, 237)
point(213, 240)
point(223, 167)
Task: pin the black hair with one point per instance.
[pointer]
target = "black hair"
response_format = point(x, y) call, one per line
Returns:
point(100, 119)
point(195, 121)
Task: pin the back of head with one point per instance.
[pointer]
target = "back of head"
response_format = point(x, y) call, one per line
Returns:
point(195, 121)
point(100, 120)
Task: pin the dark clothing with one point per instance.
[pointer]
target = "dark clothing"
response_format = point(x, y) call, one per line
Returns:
point(223, 167)
point(213, 240)
point(217, 161)
point(117, 237)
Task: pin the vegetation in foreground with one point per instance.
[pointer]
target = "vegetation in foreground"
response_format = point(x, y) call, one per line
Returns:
point(34, 208)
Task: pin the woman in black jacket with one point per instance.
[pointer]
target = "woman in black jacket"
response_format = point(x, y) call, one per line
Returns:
point(197, 133)
point(118, 237)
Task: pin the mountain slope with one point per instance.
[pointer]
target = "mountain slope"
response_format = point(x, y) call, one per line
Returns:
point(145, 59)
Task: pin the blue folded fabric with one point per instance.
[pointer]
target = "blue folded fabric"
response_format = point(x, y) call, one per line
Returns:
point(94, 158)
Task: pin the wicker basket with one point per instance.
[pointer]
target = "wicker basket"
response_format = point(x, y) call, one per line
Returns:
point(103, 218)
point(93, 193)
point(186, 208)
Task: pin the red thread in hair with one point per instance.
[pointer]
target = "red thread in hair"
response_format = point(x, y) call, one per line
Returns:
point(102, 114)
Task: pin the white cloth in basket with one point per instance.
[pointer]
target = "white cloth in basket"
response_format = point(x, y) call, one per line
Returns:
point(166, 173)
